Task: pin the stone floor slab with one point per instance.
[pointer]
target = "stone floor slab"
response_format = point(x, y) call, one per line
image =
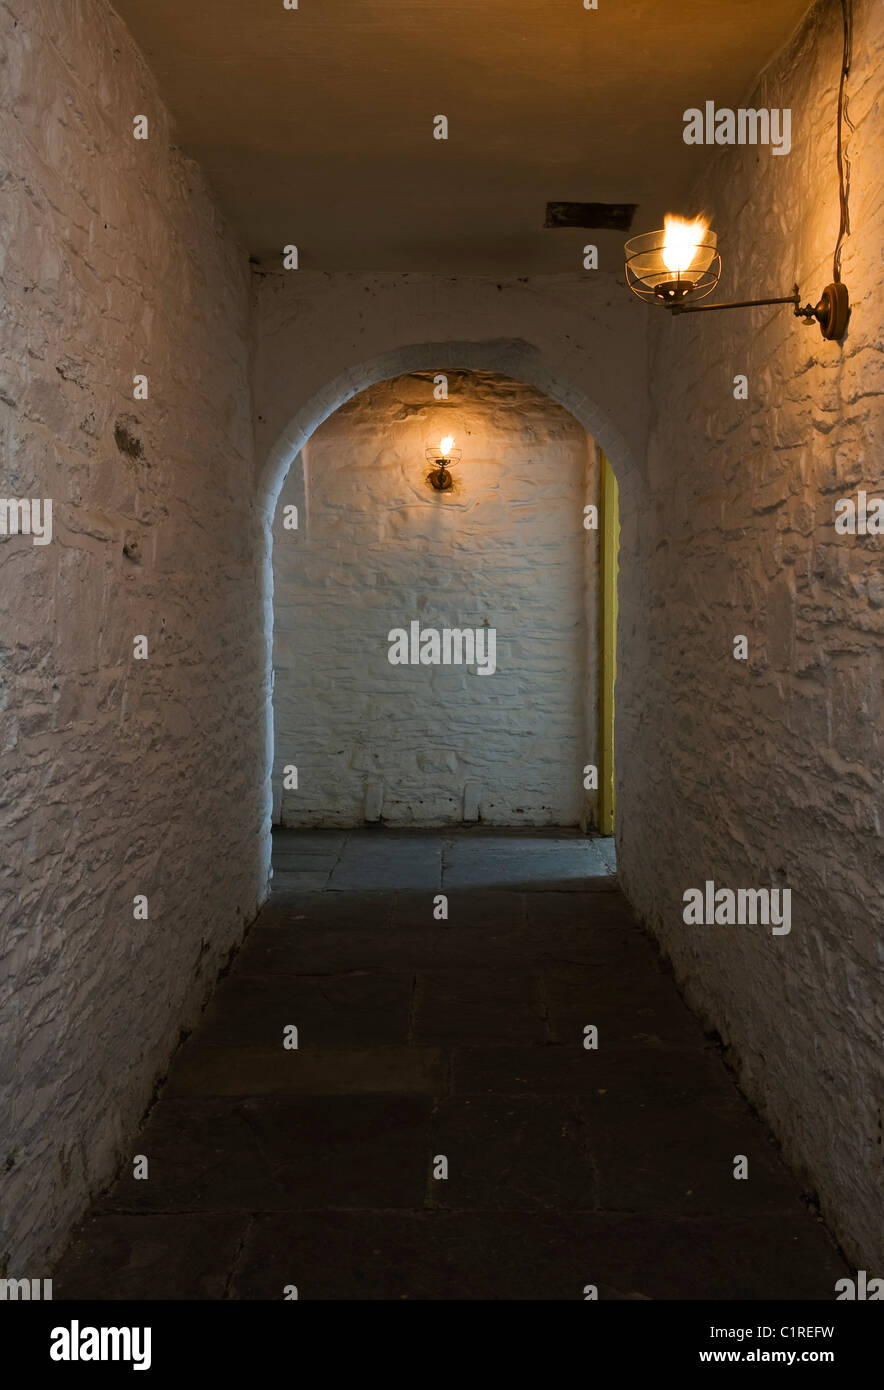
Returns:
point(541, 1256)
point(355, 1008)
point(117, 1256)
point(676, 1156)
point(511, 1154)
point(462, 1006)
point(637, 1069)
point(384, 865)
point(204, 1069)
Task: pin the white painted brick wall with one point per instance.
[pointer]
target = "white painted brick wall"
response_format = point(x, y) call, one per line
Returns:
point(773, 770)
point(376, 549)
point(119, 777)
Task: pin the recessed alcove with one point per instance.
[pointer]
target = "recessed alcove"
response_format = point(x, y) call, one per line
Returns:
point(443, 740)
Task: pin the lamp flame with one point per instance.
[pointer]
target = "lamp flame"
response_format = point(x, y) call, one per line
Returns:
point(680, 242)
point(446, 444)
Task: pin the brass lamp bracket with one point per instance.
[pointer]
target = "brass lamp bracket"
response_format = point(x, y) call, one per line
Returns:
point(831, 313)
point(441, 478)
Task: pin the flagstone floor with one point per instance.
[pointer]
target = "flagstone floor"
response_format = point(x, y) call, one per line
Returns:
point(441, 1131)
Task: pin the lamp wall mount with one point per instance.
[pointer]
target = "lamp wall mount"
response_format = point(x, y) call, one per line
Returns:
point(440, 476)
point(831, 312)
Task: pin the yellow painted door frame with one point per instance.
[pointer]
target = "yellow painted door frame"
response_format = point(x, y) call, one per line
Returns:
point(608, 571)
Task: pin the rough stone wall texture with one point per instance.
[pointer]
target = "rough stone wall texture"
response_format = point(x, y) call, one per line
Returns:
point(320, 338)
point(377, 548)
point(119, 776)
point(771, 771)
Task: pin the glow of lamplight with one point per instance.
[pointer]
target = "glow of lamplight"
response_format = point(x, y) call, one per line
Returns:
point(681, 241)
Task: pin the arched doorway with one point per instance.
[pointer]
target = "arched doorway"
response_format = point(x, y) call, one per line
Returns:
point(510, 357)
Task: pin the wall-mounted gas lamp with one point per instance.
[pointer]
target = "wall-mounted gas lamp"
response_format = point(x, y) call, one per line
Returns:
point(440, 476)
point(681, 262)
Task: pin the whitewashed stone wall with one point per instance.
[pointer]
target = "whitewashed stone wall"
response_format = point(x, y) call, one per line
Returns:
point(320, 338)
point(377, 548)
point(120, 777)
point(772, 770)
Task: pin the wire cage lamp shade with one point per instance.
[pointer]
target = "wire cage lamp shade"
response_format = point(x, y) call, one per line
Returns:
point(660, 272)
point(434, 453)
point(440, 458)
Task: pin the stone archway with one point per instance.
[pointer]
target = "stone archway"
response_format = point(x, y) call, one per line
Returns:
point(515, 358)
point(512, 357)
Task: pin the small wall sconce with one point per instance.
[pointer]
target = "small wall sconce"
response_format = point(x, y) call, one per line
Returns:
point(440, 476)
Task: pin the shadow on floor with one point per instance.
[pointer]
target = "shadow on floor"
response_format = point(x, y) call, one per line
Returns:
point(421, 1039)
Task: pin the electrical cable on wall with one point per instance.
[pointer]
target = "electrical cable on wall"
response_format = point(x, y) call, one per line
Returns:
point(841, 158)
